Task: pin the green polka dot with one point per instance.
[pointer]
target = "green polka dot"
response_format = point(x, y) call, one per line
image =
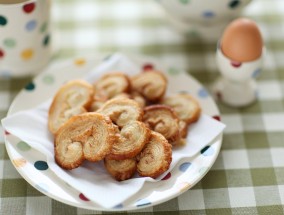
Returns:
point(23, 146)
point(193, 33)
point(48, 79)
point(173, 71)
point(9, 42)
point(46, 40)
point(3, 20)
point(184, 1)
point(43, 27)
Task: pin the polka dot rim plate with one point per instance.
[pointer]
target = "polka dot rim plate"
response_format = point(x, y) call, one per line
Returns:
point(33, 167)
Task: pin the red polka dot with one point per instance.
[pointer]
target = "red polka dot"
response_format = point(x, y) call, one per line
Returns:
point(6, 133)
point(167, 176)
point(148, 66)
point(84, 198)
point(217, 118)
point(236, 64)
point(28, 8)
point(219, 95)
point(1, 53)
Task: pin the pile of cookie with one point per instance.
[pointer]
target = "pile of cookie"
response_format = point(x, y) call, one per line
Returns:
point(124, 120)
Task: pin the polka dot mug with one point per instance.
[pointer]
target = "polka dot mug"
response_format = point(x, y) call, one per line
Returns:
point(203, 19)
point(24, 37)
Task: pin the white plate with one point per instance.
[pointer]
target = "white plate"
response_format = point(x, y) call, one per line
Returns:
point(27, 161)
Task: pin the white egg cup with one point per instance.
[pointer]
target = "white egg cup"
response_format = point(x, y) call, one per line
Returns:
point(237, 85)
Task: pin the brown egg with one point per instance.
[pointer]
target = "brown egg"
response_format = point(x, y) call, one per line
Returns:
point(242, 41)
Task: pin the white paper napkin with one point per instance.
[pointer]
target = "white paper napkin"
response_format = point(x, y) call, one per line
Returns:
point(91, 179)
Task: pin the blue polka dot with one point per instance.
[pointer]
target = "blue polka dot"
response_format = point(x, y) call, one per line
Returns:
point(143, 202)
point(183, 167)
point(30, 86)
point(203, 93)
point(107, 57)
point(42, 187)
point(118, 206)
point(31, 25)
point(256, 73)
point(208, 14)
point(41, 165)
point(207, 151)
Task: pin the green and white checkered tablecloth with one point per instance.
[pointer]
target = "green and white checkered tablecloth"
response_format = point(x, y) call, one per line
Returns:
point(248, 176)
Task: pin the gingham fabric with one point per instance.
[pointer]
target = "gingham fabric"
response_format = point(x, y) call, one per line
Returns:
point(248, 176)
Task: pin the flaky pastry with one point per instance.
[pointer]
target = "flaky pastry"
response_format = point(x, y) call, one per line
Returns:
point(186, 107)
point(73, 98)
point(113, 84)
point(156, 157)
point(122, 110)
point(87, 136)
point(132, 139)
point(121, 169)
point(138, 98)
point(151, 84)
point(162, 119)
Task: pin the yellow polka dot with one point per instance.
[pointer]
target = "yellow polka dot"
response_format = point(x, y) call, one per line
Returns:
point(27, 54)
point(184, 186)
point(20, 162)
point(80, 61)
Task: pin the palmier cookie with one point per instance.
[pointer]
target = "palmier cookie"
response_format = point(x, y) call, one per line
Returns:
point(162, 119)
point(122, 111)
point(113, 84)
point(132, 139)
point(156, 157)
point(121, 169)
point(87, 136)
point(73, 98)
point(151, 84)
point(186, 107)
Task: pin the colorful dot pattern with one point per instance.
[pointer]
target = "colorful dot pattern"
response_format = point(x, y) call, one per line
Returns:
point(80, 62)
point(3, 21)
point(148, 67)
point(83, 197)
point(30, 27)
point(29, 8)
point(41, 165)
point(207, 151)
point(256, 73)
point(142, 202)
point(168, 176)
point(208, 14)
point(48, 79)
point(184, 186)
point(27, 54)
point(184, 167)
point(173, 71)
point(9, 42)
point(234, 4)
point(30, 86)
point(203, 93)
point(20, 162)
point(23, 146)
point(118, 206)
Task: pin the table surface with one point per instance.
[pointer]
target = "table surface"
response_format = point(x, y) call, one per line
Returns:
point(248, 176)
